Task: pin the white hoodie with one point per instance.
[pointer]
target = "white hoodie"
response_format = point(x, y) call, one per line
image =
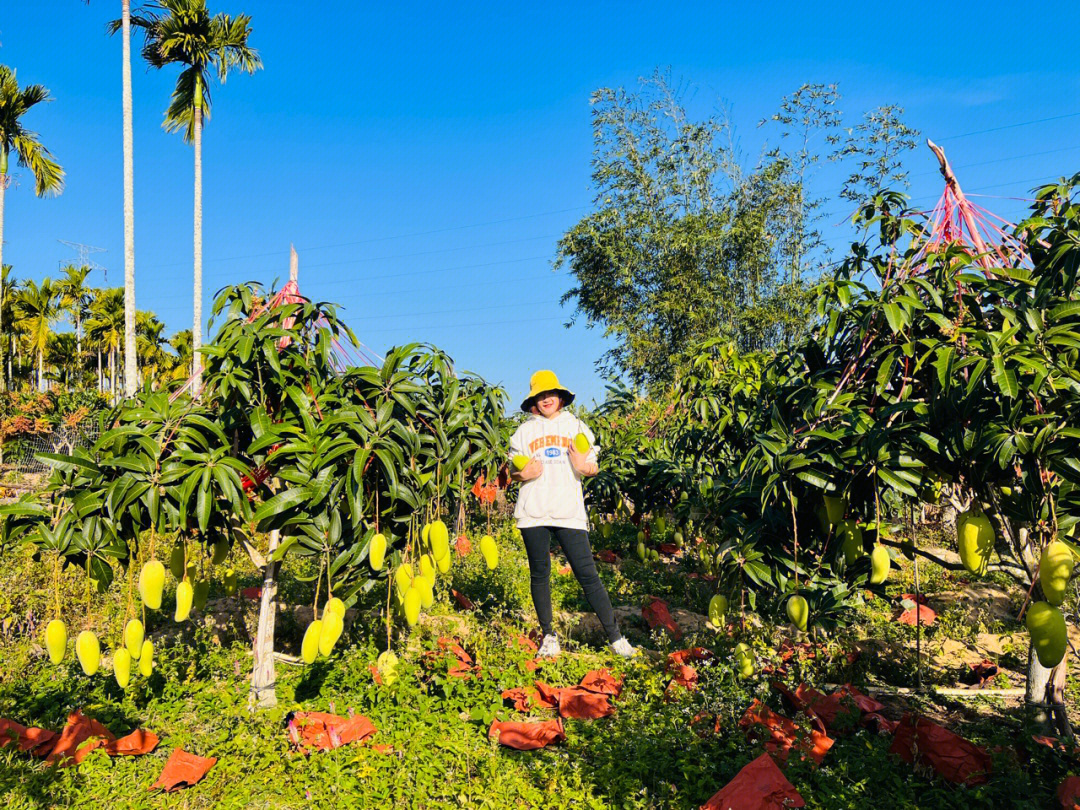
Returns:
point(555, 498)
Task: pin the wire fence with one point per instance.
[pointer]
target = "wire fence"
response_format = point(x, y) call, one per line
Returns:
point(23, 455)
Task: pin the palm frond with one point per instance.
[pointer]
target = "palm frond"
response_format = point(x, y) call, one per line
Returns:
point(181, 113)
point(48, 176)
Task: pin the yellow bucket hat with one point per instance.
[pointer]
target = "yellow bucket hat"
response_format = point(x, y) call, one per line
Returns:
point(543, 381)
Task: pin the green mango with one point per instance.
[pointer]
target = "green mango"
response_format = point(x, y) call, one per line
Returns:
point(1046, 624)
point(975, 541)
point(1055, 571)
point(798, 611)
point(880, 562)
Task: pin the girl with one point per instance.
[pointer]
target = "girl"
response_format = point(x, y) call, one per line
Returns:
point(551, 503)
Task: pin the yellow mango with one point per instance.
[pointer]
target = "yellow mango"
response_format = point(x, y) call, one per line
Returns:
point(660, 524)
point(425, 533)
point(403, 578)
point(1055, 571)
point(309, 647)
point(56, 640)
point(581, 443)
point(334, 605)
point(975, 542)
point(439, 539)
point(133, 638)
point(798, 611)
point(443, 564)
point(146, 658)
point(520, 462)
point(1046, 624)
point(642, 552)
point(185, 594)
point(412, 604)
point(121, 662)
point(88, 651)
point(332, 627)
point(427, 566)
point(427, 591)
point(152, 584)
point(386, 664)
point(377, 552)
point(490, 551)
point(880, 563)
point(230, 582)
point(718, 606)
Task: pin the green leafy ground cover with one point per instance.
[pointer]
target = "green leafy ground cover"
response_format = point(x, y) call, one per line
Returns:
point(644, 756)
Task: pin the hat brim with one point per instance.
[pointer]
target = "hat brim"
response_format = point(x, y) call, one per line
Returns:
point(529, 401)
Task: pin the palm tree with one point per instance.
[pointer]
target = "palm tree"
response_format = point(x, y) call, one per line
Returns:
point(62, 355)
point(181, 344)
point(106, 328)
point(7, 297)
point(37, 308)
point(48, 176)
point(75, 298)
point(183, 32)
point(151, 345)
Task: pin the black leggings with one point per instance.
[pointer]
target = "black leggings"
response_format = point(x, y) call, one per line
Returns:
point(575, 545)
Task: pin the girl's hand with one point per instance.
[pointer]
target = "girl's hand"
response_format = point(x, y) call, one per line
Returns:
point(580, 463)
point(531, 470)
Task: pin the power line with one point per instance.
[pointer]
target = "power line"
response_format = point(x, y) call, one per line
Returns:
point(1009, 126)
point(1000, 160)
point(472, 324)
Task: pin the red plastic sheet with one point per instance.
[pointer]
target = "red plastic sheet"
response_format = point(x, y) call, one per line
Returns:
point(949, 754)
point(521, 698)
point(758, 786)
point(668, 549)
point(656, 614)
point(922, 613)
point(462, 545)
point(183, 770)
point(35, 741)
point(1068, 793)
point(847, 705)
point(77, 739)
point(319, 731)
point(781, 734)
point(464, 602)
point(608, 556)
point(527, 736)
point(589, 700)
point(602, 682)
point(685, 656)
point(685, 676)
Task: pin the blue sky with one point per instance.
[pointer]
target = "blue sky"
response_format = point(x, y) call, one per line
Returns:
point(425, 158)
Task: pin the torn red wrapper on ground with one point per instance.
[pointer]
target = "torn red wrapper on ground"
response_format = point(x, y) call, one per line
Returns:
point(183, 770)
point(1068, 793)
point(781, 734)
point(35, 741)
point(656, 615)
point(463, 665)
point(521, 698)
point(523, 643)
point(668, 549)
point(922, 614)
point(843, 708)
point(760, 785)
point(576, 703)
point(699, 723)
point(983, 671)
point(527, 736)
point(251, 593)
point(319, 731)
point(685, 676)
point(78, 738)
point(949, 754)
point(602, 682)
point(462, 545)
point(464, 602)
point(607, 555)
point(547, 697)
point(680, 657)
point(564, 570)
point(134, 744)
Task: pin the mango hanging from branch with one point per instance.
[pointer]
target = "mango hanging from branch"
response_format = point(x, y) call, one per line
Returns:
point(152, 583)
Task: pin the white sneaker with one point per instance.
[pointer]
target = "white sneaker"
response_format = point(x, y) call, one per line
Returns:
point(624, 648)
point(549, 648)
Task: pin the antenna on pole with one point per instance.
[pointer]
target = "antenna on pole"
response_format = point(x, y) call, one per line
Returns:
point(84, 252)
point(294, 264)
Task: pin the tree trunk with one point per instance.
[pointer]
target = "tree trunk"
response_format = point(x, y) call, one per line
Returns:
point(41, 370)
point(196, 331)
point(1044, 693)
point(263, 677)
point(130, 358)
point(112, 375)
point(100, 377)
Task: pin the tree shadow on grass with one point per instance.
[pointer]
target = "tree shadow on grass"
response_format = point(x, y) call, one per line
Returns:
point(311, 683)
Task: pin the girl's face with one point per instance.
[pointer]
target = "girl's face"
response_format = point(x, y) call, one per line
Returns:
point(548, 404)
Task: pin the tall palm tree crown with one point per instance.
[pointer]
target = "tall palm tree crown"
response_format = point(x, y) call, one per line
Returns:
point(38, 309)
point(14, 137)
point(183, 32)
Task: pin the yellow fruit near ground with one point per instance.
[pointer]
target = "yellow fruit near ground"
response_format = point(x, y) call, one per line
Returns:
point(834, 508)
point(1048, 635)
point(133, 638)
point(335, 605)
point(851, 540)
point(146, 658)
point(377, 552)
point(176, 561)
point(88, 651)
point(121, 663)
point(332, 627)
point(605, 530)
point(718, 606)
point(309, 647)
point(56, 640)
point(439, 539)
point(412, 604)
point(678, 539)
point(520, 462)
point(660, 524)
point(581, 443)
point(1055, 571)
point(221, 551)
point(879, 564)
point(744, 661)
point(975, 542)
point(185, 594)
point(230, 582)
point(152, 584)
point(798, 611)
point(489, 551)
point(642, 552)
point(641, 537)
point(386, 664)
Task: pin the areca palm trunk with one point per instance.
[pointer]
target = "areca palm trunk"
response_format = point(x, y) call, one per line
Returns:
point(196, 331)
point(41, 369)
point(130, 363)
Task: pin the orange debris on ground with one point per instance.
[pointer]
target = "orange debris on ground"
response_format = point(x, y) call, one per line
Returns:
point(76, 740)
point(183, 770)
point(656, 614)
point(464, 602)
point(527, 736)
point(956, 759)
point(781, 734)
point(320, 731)
point(760, 785)
point(1068, 793)
point(463, 546)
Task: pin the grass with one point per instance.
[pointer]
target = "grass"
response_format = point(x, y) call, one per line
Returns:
point(645, 756)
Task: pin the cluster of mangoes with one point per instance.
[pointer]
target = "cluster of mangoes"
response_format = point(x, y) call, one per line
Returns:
point(1045, 621)
point(322, 634)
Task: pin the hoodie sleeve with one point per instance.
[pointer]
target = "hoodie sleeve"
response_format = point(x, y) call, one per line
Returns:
point(517, 443)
